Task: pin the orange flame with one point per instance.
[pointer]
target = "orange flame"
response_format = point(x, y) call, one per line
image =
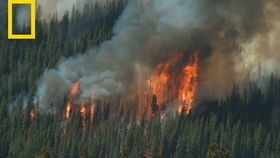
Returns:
point(189, 85)
point(33, 114)
point(68, 110)
point(83, 115)
point(160, 79)
point(168, 85)
point(73, 92)
point(74, 89)
point(92, 110)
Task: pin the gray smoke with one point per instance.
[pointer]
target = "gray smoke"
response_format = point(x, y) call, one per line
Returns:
point(233, 36)
point(59, 7)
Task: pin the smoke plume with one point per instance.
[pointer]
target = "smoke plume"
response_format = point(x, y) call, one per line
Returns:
point(232, 36)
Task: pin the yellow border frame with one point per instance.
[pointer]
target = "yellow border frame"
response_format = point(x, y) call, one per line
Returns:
point(32, 19)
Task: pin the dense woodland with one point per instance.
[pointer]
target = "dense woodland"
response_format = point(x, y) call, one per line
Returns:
point(245, 124)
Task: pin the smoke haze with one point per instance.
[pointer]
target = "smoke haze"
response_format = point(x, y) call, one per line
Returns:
point(59, 7)
point(232, 36)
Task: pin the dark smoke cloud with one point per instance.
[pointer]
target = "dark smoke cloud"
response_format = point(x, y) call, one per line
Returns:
point(149, 32)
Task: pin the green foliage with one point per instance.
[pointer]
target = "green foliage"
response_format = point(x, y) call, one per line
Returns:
point(44, 153)
point(175, 137)
point(215, 151)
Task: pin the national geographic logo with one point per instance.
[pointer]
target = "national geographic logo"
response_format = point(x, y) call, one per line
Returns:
point(32, 4)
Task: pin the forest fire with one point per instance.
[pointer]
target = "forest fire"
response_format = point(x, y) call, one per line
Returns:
point(161, 80)
point(68, 110)
point(174, 81)
point(82, 109)
point(92, 109)
point(33, 114)
point(74, 89)
point(83, 115)
point(168, 85)
point(188, 85)
point(72, 94)
point(140, 78)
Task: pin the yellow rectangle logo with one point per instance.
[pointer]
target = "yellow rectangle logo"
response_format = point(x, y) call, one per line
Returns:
point(32, 19)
